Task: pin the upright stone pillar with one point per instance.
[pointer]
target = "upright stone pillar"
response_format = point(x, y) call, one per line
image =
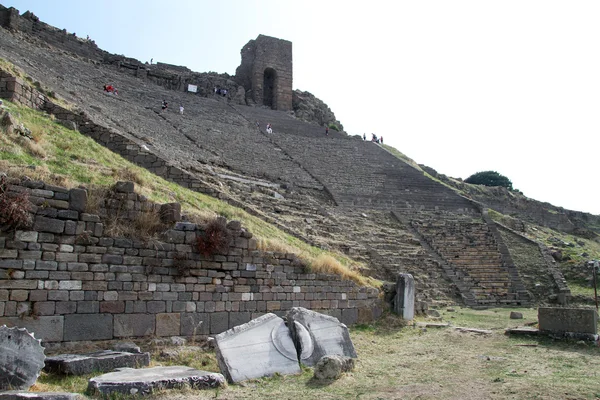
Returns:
point(404, 302)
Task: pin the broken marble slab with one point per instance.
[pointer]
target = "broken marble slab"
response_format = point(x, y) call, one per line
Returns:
point(101, 361)
point(17, 395)
point(21, 358)
point(317, 335)
point(261, 347)
point(147, 380)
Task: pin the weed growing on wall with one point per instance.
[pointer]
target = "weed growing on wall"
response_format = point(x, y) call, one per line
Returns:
point(14, 208)
point(215, 239)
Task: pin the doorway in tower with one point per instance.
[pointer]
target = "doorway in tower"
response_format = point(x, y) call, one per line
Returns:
point(270, 88)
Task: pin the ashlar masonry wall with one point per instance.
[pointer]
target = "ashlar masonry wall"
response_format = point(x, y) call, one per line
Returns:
point(65, 280)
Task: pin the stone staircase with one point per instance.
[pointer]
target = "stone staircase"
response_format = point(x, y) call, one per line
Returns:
point(473, 259)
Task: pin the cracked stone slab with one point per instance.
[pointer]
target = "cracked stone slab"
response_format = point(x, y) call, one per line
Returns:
point(21, 358)
point(261, 347)
point(17, 395)
point(147, 380)
point(317, 335)
point(101, 361)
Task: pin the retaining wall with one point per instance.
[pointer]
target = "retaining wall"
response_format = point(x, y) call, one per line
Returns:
point(66, 280)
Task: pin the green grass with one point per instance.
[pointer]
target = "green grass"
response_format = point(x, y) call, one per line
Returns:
point(72, 159)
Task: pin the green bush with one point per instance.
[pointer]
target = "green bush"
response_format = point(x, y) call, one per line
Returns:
point(489, 178)
point(334, 127)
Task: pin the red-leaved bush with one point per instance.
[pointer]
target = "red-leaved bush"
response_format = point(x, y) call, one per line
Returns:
point(14, 212)
point(216, 238)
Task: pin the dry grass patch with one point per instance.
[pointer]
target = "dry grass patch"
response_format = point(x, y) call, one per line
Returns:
point(327, 264)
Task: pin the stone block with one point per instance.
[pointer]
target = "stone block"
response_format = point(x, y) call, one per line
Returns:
point(78, 199)
point(564, 320)
point(195, 324)
point(318, 335)
point(219, 322)
point(47, 328)
point(404, 301)
point(145, 381)
point(168, 324)
point(170, 213)
point(26, 236)
point(239, 318)
point(124, 187)
point(132, 325)
point(349, 316)
point(101, 361)
point(43, 224)
point(88, 327)
point(261, 347)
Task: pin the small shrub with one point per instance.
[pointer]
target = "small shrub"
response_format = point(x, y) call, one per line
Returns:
point(489, 178)
point(215, 238)
point(14, 208)
point(334, 127)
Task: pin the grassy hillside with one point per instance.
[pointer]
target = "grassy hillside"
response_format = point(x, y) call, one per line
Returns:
point(64, 157)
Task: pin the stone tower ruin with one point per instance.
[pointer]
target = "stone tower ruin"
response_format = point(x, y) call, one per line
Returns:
point(266, 72)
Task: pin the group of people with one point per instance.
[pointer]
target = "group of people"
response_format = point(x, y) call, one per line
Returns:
point(110, 89)
point(374, 138)
point(221, 92)
point(165, 105)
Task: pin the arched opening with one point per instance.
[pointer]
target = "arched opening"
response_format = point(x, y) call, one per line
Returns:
point(269, 87)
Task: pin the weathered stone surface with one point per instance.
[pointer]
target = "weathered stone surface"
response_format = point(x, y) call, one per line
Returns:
point(78, 199)
point(88, 327)
point(17, 395)
point(562, 320)
point(332, 367)
point(124, 187)
point(516, 315)
point(127, 347)
point(261, 347)
point(404, 301)
point(131, 325)
point(101, 361)
point(47, 328)
point(21, 358)
point(145, 381)
point(322, 335)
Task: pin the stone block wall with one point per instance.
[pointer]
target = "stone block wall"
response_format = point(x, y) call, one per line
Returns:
point(16, 90)
point(65, 280)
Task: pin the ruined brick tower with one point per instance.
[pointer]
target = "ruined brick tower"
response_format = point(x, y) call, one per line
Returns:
point(266, 72)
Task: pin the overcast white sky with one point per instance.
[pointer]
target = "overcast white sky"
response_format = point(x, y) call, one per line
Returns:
point(460, 86)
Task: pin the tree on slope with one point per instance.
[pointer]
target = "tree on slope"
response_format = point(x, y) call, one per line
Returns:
point(489, 178)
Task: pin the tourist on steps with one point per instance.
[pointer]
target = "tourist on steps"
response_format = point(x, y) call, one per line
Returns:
point(181, 109)
point(364, 136)
point(269, 128)
point(165, 105)
point(326, 131)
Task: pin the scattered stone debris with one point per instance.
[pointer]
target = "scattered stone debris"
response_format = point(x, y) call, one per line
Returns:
point(432, 325)
point(261, 347)
point(127, 347)
point(324, 334)
point(17, 395)
point(266, 345)
point(516, 315)
point(145, 381)
point(473, 330)
point(21, 358)
point(332, 367)
point(101, 361)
